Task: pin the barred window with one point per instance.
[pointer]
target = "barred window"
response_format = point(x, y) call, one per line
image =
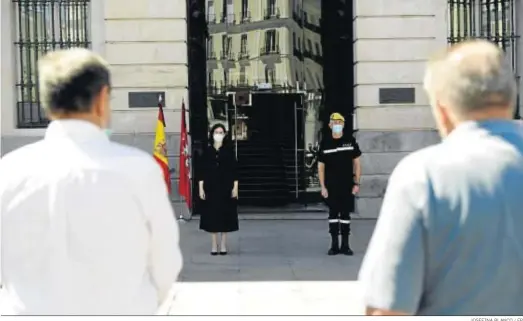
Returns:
point(493, 20)
point(41, 26)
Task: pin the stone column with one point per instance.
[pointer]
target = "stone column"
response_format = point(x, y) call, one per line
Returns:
point(393, 39)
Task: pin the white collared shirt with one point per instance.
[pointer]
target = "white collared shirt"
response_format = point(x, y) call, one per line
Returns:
point(87, 227)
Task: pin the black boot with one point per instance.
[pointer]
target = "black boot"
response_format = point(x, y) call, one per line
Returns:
point(335, 248)
point(345, 247)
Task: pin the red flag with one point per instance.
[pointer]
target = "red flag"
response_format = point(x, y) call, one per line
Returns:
point(160, 147)
point(184, 187)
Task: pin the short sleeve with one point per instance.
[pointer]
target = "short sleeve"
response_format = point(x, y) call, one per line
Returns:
point(357, 151)
point(321, 152)
point(392, 272)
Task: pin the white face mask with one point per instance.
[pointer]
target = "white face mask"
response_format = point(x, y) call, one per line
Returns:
point(218, 137)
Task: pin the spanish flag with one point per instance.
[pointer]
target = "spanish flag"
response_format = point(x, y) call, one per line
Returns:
point(160, 147)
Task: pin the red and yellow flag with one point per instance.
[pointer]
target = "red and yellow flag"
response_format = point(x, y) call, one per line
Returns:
point(160, 147)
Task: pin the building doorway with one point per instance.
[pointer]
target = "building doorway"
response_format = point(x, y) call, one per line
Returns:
point(268, 135)
point(304, 74)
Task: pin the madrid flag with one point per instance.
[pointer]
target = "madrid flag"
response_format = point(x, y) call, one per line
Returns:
point(160, 147)
point(184, 187)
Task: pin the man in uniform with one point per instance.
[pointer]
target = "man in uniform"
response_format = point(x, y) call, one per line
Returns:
point(339, 171)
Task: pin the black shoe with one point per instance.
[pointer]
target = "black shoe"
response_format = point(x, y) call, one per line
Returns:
point(346, 251)
point(223, 253)
point(333, 251)
point(214, 253)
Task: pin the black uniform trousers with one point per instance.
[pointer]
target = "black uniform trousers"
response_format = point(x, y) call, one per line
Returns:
point(341, 204)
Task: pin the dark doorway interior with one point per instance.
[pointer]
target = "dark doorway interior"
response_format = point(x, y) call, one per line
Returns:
point(269, 138)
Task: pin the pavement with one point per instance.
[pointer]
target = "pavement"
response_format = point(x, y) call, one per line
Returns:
point(274, 267)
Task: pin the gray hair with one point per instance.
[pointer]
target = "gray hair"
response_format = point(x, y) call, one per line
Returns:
point(70, 80)
point(470, 77)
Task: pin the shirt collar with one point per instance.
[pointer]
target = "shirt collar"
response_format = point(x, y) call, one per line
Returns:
point(497, 126)
point(74, 129)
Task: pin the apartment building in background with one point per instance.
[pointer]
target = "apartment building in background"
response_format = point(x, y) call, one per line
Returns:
point(253, 43)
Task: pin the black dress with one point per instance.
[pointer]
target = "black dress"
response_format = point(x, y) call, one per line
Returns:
point(219, 212)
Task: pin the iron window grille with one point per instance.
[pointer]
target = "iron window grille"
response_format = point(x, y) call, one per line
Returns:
point(42, 26)
point(493, 20)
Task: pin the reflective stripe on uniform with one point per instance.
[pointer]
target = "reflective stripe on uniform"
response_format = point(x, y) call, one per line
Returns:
point(344, 221)
point(334, 221)
point(339, 149)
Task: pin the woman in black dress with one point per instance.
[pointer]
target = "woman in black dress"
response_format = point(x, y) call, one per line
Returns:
point(219, 189)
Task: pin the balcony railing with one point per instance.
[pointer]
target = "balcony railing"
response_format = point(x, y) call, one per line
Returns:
point(245, 16)
point(243, 55)
point(229, 19)
point(271, 13)
point(243, 83)
point(269, 50)
point(211, 55)
point(211, 19)
point(225, 55)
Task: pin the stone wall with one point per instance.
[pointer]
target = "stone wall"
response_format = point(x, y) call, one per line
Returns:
point(393, 39)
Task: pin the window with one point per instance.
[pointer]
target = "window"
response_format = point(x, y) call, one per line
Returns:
point(230, 11)
point(494, 20)
point(210, 79)
point(224, 11)
point(245, 10)
point(210, 46)
point(318, 49)
point(270, 75)
point(309, 45)
point(226, 46)
point(211, 14)
point(271, 41)
point(243, 45)
point(271, 6)
point(226, 77)
point(294, 40)
point(43, 26)
point(243, 79)
point(228, 49)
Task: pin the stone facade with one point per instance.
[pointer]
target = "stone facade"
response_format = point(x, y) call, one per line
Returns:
point(393, 39)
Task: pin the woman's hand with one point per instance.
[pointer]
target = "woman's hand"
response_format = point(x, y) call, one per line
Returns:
point(202, 193)
point(235, 192)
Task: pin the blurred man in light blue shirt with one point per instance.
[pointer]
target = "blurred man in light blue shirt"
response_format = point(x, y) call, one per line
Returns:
point(447, 241)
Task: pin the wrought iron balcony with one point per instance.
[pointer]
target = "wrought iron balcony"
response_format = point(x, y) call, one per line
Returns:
point(211, 55)
point(243, 55)
point(243, 83)
point(269, 50)
point(225, 55)
point(272, 13)
point(211, 19)
point(245, 16)
point(229, 19)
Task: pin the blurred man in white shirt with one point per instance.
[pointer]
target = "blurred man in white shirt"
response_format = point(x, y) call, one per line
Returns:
point(87, 225)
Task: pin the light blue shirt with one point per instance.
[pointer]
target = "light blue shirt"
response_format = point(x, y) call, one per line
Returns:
point(448, 239)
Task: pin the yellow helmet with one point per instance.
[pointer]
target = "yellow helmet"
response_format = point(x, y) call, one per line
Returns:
point(337, 116)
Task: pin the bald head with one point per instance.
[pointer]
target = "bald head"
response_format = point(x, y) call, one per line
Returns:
point(471, 77)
